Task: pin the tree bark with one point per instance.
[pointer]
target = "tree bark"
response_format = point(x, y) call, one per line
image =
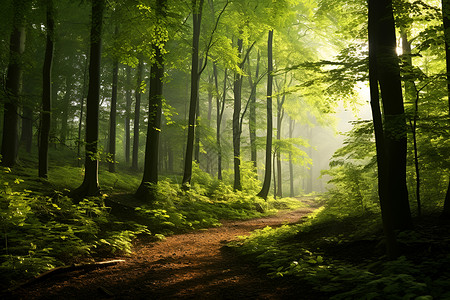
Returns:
point(137, 116)
point(291, 165)
point(220, 107)
point(65, 110)
point(195, 77)
point(80, 122)
point(388, 73)
point(46, 94)
point(10, 138)
point(387, 212)
point(90, 186)
point(252, 112)
point(280, 115)
point(112, 118)
point(127, 115)
point(267, 173)
point(151, 163)
point(446, 21)
point(237, 89)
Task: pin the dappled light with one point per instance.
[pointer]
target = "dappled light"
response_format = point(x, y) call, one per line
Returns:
point(229, 149)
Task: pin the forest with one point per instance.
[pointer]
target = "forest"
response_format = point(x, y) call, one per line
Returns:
point(230, 149)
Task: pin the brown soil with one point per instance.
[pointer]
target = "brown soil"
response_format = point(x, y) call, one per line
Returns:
point(187, 266)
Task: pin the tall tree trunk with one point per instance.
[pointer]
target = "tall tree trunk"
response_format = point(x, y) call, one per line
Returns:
point(394, 115)
point(90, 186)
point(65, 110)
point(267, 173)
point(46, 94)
point(80, 121)
point(210, 100)
point(280, 115)
point(127, 115)
point(197, 6)
point(197, 135)
point(411, 95)
point(274, 162)
point(237, 88)
point(112, 118)
point(387, 212)
point(252, 112)
point(152, 146)
point(220, 107)
point(291, 165)
point(10, 139)
point(446, 21)
point(137, 116)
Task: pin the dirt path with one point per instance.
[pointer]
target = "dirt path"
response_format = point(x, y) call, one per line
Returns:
point(187, 266)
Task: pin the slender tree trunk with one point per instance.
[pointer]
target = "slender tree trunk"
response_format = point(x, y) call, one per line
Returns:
point(411, 95)
point(252, 112)
point(446, 21)
point(237, 88)
point(80, 122)
point(387, 212)
point(195, 77)
point(274, 164)
point(10, 139)
point(90, 186)
point(220, 107)
point(65, 110)
point(267, 174)
point(197, 135)
point(112, 118)
point(291, 165)
point(152, 146)
point(210, 104)
point(280, 115)
point(127, 116)
point(137, 116)
point(46, 94)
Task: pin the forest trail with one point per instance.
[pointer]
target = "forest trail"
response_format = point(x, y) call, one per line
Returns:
point(188, 266)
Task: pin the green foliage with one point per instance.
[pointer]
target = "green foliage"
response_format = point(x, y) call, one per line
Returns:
point(39, 233)
point(309, 252)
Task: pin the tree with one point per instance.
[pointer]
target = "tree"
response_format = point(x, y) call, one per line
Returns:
point(90, 186)
point(46, 94)
point(155, 106)
point(391, 138)
point(197, 6)
point(388, 75)
point(252, 111)
point(220, 107)
point(268, 170)
point(128, 115)
point(112, 118)
point(237, 88)
point(12, 85)
point(446, 22)
point(137, 116)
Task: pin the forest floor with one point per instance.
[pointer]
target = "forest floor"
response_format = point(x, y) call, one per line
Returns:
point(194, 265)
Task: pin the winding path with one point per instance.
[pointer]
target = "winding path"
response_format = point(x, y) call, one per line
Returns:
point(186, 266)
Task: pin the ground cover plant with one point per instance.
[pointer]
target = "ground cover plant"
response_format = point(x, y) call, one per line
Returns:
point(43, 228)
point(343, 257)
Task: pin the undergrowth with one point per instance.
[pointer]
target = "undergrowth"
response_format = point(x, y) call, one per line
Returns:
point(344, 258)
point(41, 228)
